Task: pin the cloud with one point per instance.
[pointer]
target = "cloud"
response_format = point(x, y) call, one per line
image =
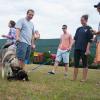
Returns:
point(49, 14)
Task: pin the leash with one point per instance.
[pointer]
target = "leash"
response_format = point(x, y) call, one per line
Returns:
point(47, 62)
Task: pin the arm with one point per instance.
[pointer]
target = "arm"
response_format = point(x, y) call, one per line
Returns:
point(90, 37)
point(75, 37)
point(60, 40)
point(88, 49)
point(71, 42)
point(8, 36)
point(33, 41)
point(88, 46)
point(98, 29)
point(98, 32)
point(17, 34)
point(18, 27)
point(95, 32)
point(5, 36)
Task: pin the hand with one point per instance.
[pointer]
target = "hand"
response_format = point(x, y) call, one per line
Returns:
point(69, 49)
point(87, 52)
point(33, 46)
point(93, 31)
point(3, 35)
point(37, 35)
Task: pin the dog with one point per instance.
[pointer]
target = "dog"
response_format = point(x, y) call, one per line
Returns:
point(10, 65)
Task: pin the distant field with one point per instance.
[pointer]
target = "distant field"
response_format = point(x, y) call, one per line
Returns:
point(51, 87)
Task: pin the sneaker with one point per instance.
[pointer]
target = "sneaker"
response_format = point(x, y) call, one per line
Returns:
point(73, 79)
point(51, 73)
point(83, 80)
point(98, 83)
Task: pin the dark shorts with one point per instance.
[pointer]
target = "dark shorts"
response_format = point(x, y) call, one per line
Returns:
point(23, 51)
point(78, 54)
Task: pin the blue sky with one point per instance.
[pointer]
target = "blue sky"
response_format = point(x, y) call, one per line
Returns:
point(50, 15)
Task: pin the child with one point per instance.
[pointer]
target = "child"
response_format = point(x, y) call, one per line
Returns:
point(12, 33)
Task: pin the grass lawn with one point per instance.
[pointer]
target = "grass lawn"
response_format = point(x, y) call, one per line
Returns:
point(51, 87)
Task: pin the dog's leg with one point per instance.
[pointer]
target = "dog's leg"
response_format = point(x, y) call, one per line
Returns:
point(3, 72)
point(26, 78)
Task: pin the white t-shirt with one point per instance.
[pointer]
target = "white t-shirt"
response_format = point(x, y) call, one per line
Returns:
point(27, 30)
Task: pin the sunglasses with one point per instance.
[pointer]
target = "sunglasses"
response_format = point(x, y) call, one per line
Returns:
point(63, 28)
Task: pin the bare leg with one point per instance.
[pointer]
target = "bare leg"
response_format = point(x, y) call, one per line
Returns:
point(55, 66)
point(21, 63)
point(85, 71)
point(75, 73)
point(66, 68)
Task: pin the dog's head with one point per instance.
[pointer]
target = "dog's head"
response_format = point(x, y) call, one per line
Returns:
point(18, 74)
point(14, 62)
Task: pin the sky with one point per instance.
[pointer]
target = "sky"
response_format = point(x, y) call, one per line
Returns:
point(50, 15)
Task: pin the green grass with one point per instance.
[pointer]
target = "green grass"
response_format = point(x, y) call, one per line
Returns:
point(51, 87)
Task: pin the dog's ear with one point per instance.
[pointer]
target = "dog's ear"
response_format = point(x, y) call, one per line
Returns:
point(7, 45)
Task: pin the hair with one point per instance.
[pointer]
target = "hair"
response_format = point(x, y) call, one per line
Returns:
point(64, 26)
point(85, 17)
point(12, 23)
point(30, 10)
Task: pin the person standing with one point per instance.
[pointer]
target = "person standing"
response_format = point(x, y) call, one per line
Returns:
point(97, 59)
point(24, 37)
point(82, 42)
point(63, 50)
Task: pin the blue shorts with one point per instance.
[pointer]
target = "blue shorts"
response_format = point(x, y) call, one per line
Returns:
point(23, 51)
point(62, 54)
